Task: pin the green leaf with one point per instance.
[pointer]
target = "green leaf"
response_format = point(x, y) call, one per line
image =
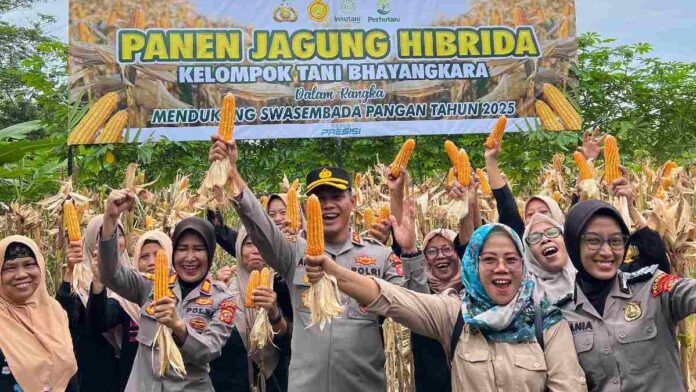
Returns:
point(20, 131)
point(13, 152)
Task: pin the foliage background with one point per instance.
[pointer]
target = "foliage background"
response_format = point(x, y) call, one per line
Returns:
point(646, 102)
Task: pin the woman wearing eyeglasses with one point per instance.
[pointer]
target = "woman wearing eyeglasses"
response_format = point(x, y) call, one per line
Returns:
point(623, 324)
point(547, 259)
point(490, 334)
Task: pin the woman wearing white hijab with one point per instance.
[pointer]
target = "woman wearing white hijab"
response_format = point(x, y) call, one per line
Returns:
point(238, 369)
point(547, 259)
point(108, 312)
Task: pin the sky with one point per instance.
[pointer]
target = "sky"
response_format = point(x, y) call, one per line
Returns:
point(669, 25)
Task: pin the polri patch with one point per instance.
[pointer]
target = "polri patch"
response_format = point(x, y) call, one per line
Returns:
point(227, 316)
point(664, 284)
point(365, 260)
point(204, 301)
point(198, 323)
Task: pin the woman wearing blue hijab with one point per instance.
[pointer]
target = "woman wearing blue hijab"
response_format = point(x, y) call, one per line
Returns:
point(490, 334)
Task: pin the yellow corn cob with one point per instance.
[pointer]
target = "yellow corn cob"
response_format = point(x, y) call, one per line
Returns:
point(138, 20)
point(548, 118)
point(666, 182)
point(568, 10)
point(264, 202)
point(95, 118)
point(293, 213)
point(384, 212)
point(452, 152)
point(161, 286)
point(83, 32)
point(451, 177)
point(227, 112)
point(402, 157)
point(557, 196)
point(519, 17)
point(564, 29)
point(358, 180)
point(369, 217)
point(71, 222)
point(149, 222)
point(264, 277)
point(113, 130)
point(560, 104)
point(611, 159)
point(254, 279)
point(496, 20)
point(558, 160)
point(315, 227)
point(483, 180)
point(295, 184)
point(667, 168)
point(496, 134)
point(584, 169)
point(464, 169)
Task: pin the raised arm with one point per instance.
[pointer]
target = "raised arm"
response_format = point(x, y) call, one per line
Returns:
point(408, 270)
point(508, 213)
point(429, 315)
point(124, 281)
point(273, 245)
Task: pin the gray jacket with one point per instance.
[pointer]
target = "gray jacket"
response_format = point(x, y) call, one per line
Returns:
point(634, 346)
point(348, 355)
point(207, 311)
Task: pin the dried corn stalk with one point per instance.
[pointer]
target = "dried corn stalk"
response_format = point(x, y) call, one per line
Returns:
point(399, 357)
point(169, 354)
point(324, 295)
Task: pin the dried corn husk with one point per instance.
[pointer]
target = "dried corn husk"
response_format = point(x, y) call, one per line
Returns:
point(169, 354)
point(324, 301)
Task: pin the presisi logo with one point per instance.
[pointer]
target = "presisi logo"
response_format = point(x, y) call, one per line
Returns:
point(383, 7)
point(341, 132)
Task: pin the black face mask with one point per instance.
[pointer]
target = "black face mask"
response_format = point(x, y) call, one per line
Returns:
point(596, 290)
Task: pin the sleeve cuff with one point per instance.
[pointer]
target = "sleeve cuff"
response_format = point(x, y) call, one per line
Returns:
point(413, 264)
point(64, 288)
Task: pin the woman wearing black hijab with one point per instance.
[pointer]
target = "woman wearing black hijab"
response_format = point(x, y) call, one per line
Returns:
point(623, 324)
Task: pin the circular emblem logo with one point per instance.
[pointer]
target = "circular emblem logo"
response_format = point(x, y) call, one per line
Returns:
point(318, 10)
point(632, 311)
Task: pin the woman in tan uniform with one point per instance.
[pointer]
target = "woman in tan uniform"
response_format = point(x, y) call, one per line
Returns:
point(495, 348)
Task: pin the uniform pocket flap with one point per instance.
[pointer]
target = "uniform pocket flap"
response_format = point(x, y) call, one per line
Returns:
point(530, 362)
point(583, 341)
point(631, 333)
point(475, 355)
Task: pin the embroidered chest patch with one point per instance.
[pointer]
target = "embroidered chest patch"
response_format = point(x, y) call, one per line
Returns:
point(198, 323)
point(664, 284)
point(581, 326)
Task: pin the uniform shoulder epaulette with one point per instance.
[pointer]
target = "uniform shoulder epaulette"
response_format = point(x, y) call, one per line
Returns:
point(643, 274)
point(561, 302)
point(372, 240)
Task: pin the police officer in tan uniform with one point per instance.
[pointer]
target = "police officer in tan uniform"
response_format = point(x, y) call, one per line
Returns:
point(623, 324)
point(348, 355)
point(201, 315)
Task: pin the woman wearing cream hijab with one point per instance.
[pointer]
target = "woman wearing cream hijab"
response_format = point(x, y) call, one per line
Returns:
point(108, 312)
point(36, 352)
